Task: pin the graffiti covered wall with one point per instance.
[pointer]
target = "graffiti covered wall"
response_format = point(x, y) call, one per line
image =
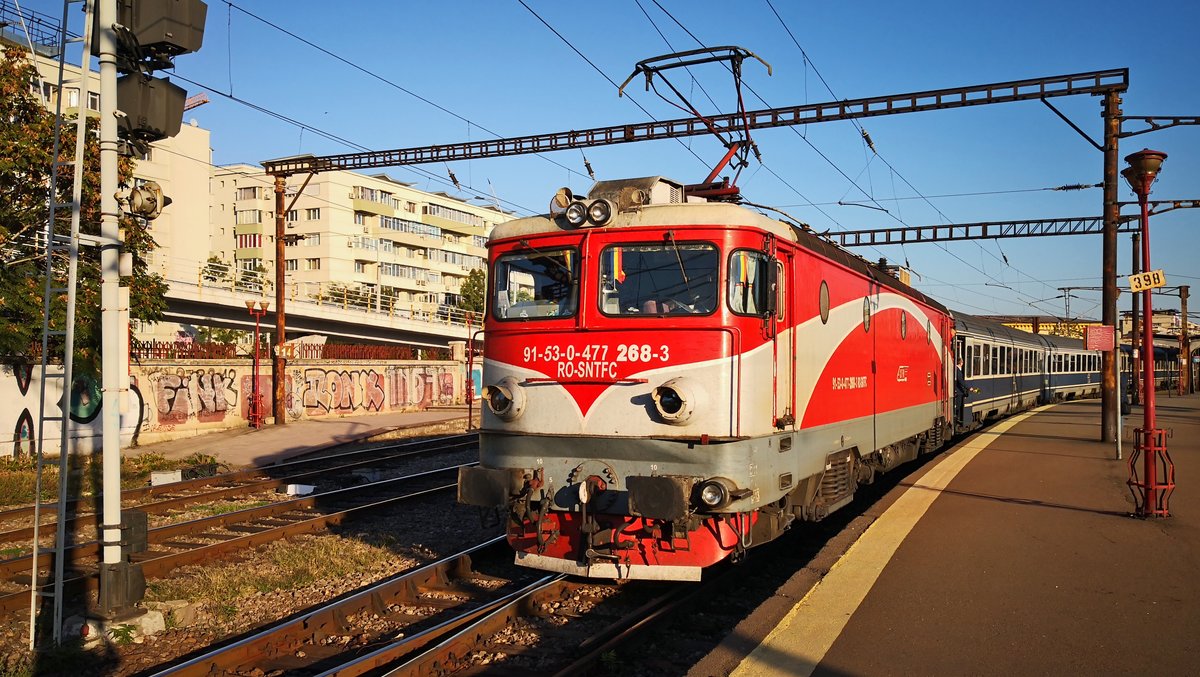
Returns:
point(169, 399)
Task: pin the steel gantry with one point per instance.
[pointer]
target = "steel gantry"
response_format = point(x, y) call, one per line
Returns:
point(988, 230)
point(1092, 83)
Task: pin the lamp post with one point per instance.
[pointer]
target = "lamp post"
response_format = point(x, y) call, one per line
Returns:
point(1151, 441)
point(254, 412)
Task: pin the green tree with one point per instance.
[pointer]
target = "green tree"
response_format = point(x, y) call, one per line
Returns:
point(216, 271)
point(221, 335)
point(473, 291)
point(26, 150)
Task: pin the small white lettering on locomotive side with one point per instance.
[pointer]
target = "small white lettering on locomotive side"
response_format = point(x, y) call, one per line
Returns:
point(849, 382)
point(587, 370)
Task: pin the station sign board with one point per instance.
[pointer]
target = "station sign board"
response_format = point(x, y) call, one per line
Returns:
point(1098, 337)
point(1147, 280)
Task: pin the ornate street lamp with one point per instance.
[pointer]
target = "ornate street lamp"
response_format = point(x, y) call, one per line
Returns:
point(254, 411)
point(1151, 441)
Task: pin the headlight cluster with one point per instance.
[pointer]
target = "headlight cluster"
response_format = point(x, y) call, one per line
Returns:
point(596, 213)
point(505, 399)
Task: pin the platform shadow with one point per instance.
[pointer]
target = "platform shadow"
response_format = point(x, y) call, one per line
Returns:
point(1023, 501)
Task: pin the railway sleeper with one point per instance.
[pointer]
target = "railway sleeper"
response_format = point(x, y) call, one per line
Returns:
point(249, 528)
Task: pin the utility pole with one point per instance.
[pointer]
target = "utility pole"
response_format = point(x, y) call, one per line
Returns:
point(110, 330)
point(1135, 329)
point(1112, 214)
point(1185, 343)
point(277, 364)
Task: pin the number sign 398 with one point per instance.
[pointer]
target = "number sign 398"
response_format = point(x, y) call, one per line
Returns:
point(1147, 280)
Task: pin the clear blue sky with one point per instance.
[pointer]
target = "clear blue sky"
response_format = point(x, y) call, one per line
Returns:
point(497, 66)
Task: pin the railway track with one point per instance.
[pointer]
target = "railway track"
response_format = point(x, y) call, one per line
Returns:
point(448, 616)
point(422, 606)
point(214, 537)
point(224, 486)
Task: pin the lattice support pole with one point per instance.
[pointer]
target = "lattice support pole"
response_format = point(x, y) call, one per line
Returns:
point(1152, 488)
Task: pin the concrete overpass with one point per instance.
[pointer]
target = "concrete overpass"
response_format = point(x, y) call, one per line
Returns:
point(221, 305)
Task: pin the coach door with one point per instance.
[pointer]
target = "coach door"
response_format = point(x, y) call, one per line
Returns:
point(783, 332)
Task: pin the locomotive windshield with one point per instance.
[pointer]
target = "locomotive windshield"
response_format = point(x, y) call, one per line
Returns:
point(536, 283)
point(659, 279)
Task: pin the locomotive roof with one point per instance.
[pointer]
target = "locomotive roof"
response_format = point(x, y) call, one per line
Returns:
point(685, 214)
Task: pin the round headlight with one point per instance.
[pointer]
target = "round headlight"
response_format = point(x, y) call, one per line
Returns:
point(677, 400)
point(714, 494)
point(669, 401)
point(576, 214)
point(505, 399)
point(600, 212)
point(499, 399)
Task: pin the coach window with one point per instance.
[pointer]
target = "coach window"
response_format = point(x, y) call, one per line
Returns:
point(903, 325)
point(867, 313)
point(995, 359)
point(670, 278)
point(975, 368)
point(824, 302)
point(987, 362)
point(748, 282)
point(532, 284)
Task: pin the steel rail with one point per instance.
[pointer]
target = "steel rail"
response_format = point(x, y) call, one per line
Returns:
point(444, 656)
point(287, 636)
point(156, 564)
point(197, 527)
point(257, 479)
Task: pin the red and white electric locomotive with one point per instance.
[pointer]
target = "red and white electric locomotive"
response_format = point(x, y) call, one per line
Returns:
point(669, 381)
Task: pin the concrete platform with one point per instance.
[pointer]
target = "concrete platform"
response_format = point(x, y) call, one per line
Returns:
point(1014, 554)
point(246, 446)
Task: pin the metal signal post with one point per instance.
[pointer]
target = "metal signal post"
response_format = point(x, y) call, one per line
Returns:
point(254, 411)
point(1151, 443)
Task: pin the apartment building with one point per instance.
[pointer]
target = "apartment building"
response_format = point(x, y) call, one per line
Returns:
point(370, 240)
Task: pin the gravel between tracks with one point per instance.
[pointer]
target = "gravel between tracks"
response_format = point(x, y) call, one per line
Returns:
point(376, 547)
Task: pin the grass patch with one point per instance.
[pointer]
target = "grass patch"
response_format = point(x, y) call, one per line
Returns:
point(18, 476)
point(282, 565)
point(224, 508)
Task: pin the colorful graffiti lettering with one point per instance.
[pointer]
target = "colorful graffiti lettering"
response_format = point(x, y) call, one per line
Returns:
point(342, 391)
point(206, 394)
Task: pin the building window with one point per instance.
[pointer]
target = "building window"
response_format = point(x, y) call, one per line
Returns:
point(360, 266)
point(312, 264)
point(247, 216)
point(93, 101)
point(72, 98)
point(291, 264)
point(250, 193)
point(312, 214)
point(311, 240)
point(360, 218)
point(249, 240)
point(293, 215)
point(458, 215)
